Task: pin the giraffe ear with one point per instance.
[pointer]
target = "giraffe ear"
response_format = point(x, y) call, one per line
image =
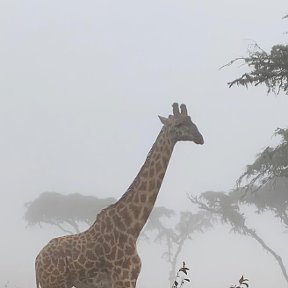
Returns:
point(163, 120)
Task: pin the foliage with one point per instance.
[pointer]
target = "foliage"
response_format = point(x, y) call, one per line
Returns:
point(242, 283)
point(226, 207)
point(270, 69)
point(270, 164)
point(59, 210)
point(155, 220)
point(271, 196)
point(181, 277)
point(176, 237)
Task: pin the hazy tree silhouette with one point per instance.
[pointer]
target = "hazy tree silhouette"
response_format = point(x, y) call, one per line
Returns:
point(65, 210)
point(227, 209)
point(155, 220)
point(271, 164)
point(175, 238)
point(270, 69)
point(272, 196)
point(264, 182)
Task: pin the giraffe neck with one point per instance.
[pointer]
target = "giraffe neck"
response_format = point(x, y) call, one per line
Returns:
point(132, 210)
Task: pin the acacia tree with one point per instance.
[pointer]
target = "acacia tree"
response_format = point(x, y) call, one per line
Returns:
point(65, 211)
point(174, 238)
point(270, 165)
point(271, 196)
point(271, 70)
point(264, 183)
point(226, 207)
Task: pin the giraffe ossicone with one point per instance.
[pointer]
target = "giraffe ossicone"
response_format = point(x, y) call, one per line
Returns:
point(105, 255)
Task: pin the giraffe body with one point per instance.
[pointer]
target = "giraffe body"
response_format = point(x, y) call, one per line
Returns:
point(105, 255)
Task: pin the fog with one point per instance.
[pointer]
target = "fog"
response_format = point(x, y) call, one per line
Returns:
point(82, 84)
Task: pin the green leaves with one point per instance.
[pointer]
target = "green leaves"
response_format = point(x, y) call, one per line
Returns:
point(180, 280)
point(226, 207)
point(271, 163)
point(268, 69)
point(243, 283)
point(184, 270)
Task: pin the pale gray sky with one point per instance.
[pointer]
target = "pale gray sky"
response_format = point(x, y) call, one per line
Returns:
point(82, 83)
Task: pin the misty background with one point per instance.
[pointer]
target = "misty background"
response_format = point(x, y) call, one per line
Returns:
point(82, 84)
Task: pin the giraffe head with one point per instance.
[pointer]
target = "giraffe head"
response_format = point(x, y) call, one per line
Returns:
point(180, 126)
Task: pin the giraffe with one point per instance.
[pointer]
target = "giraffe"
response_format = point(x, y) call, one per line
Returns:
point(105, 255)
